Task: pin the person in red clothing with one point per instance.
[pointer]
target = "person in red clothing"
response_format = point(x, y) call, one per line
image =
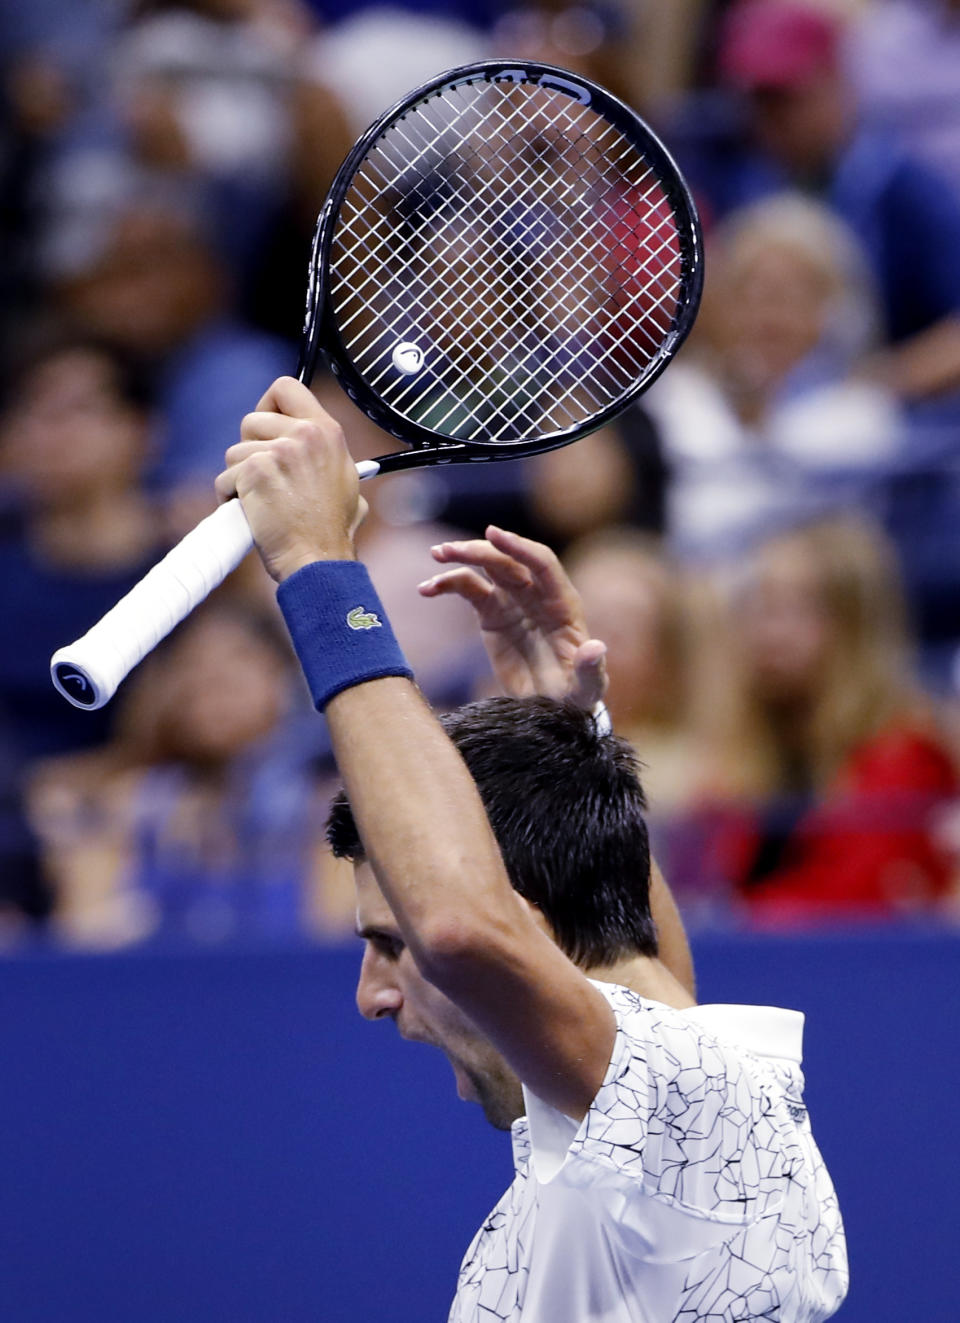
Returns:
point(829, 751)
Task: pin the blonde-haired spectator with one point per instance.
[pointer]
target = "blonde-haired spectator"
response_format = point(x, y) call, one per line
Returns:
point(766, 413)
point(634, 599)
point(827, 755)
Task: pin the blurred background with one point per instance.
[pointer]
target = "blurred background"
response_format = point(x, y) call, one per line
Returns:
point(769, 543)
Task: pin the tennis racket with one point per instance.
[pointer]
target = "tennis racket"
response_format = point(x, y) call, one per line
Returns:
point(505, 260)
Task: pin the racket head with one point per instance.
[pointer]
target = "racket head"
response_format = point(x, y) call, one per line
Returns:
point(505, 261)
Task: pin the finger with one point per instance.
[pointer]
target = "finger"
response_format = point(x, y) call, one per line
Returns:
point(590, 671)
point(291, 397)
point(225, 485)
point(465, 583)
point(264, 425)
point(260, 430)
point(471, 551)
point(241, 450)
point(538, 558)
point(503, 569)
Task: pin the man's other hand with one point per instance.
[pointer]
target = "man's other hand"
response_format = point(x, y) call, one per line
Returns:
point(530, 615)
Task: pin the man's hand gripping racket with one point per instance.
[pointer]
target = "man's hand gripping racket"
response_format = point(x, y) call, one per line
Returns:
point(505, 261)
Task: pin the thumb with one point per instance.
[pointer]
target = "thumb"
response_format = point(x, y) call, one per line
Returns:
point(590, 673)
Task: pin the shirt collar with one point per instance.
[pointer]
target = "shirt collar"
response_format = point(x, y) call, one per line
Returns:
point(766, 1031)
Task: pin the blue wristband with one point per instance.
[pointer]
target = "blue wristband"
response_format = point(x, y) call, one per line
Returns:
point(339, 629)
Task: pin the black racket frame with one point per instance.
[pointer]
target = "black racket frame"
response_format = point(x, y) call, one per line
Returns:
point(320, 334)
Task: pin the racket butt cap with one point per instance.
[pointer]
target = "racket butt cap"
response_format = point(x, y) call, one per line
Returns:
point(78, 685)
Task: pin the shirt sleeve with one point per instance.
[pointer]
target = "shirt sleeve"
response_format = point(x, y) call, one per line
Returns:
point(680, 1144)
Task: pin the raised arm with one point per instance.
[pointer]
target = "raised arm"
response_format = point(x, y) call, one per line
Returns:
point(534, 629)
point(417, 809)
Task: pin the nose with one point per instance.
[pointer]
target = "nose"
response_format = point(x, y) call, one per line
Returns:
point(377, 991)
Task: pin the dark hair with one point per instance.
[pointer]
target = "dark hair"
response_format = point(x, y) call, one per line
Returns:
point(566, 807)
point(44, 343)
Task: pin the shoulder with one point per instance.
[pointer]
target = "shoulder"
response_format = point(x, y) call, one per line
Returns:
point(684, 1112)
point(668, 1062)
point(671, 1047)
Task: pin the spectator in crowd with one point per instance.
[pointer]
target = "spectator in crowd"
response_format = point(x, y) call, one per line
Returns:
point(828, 759)
point(617, 475)
point(53, 56)
point(635, 600)
point(588, 38)
point(77, 529)
point(36, 100)
point(905, 65)
point(154, 286)
point(199, 821)
point(216, 114)
point(220, 91)
point(770, 413)
point(664, 50)
point(785, 58)
point(766, 417)
point(404, 47)
point(204, 84)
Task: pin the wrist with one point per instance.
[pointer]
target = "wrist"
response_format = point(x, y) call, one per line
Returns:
point(339, 628)
point(285, 567)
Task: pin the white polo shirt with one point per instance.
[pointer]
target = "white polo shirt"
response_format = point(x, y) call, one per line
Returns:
point(691, 1192)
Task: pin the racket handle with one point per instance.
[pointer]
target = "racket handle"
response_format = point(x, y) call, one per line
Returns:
point(88, 672)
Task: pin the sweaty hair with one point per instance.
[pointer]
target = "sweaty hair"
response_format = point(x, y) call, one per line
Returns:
point(566, 807)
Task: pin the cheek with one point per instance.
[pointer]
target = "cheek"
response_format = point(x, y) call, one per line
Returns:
point(436, 1015)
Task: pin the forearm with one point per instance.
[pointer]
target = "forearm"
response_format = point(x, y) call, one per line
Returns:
point(420, 817)
point(926, 364)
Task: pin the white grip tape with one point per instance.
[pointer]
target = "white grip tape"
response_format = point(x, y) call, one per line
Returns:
point(88, 672)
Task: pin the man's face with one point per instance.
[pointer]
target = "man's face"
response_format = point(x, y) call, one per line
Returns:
point(391, 986)
point(802, 127)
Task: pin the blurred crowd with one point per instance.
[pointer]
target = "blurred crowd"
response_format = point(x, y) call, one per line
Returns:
point(769, 542)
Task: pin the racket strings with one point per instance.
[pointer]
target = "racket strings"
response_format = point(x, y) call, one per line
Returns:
point(521, 242)
point(571, 253)
point(527, 321)
point(665, 220)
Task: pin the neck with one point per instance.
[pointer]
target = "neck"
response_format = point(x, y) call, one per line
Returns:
point(648, 977)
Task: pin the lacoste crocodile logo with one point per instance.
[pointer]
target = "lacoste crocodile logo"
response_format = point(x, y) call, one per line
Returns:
point(360, 619)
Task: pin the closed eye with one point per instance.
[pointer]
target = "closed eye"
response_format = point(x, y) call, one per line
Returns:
point(384, 943)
